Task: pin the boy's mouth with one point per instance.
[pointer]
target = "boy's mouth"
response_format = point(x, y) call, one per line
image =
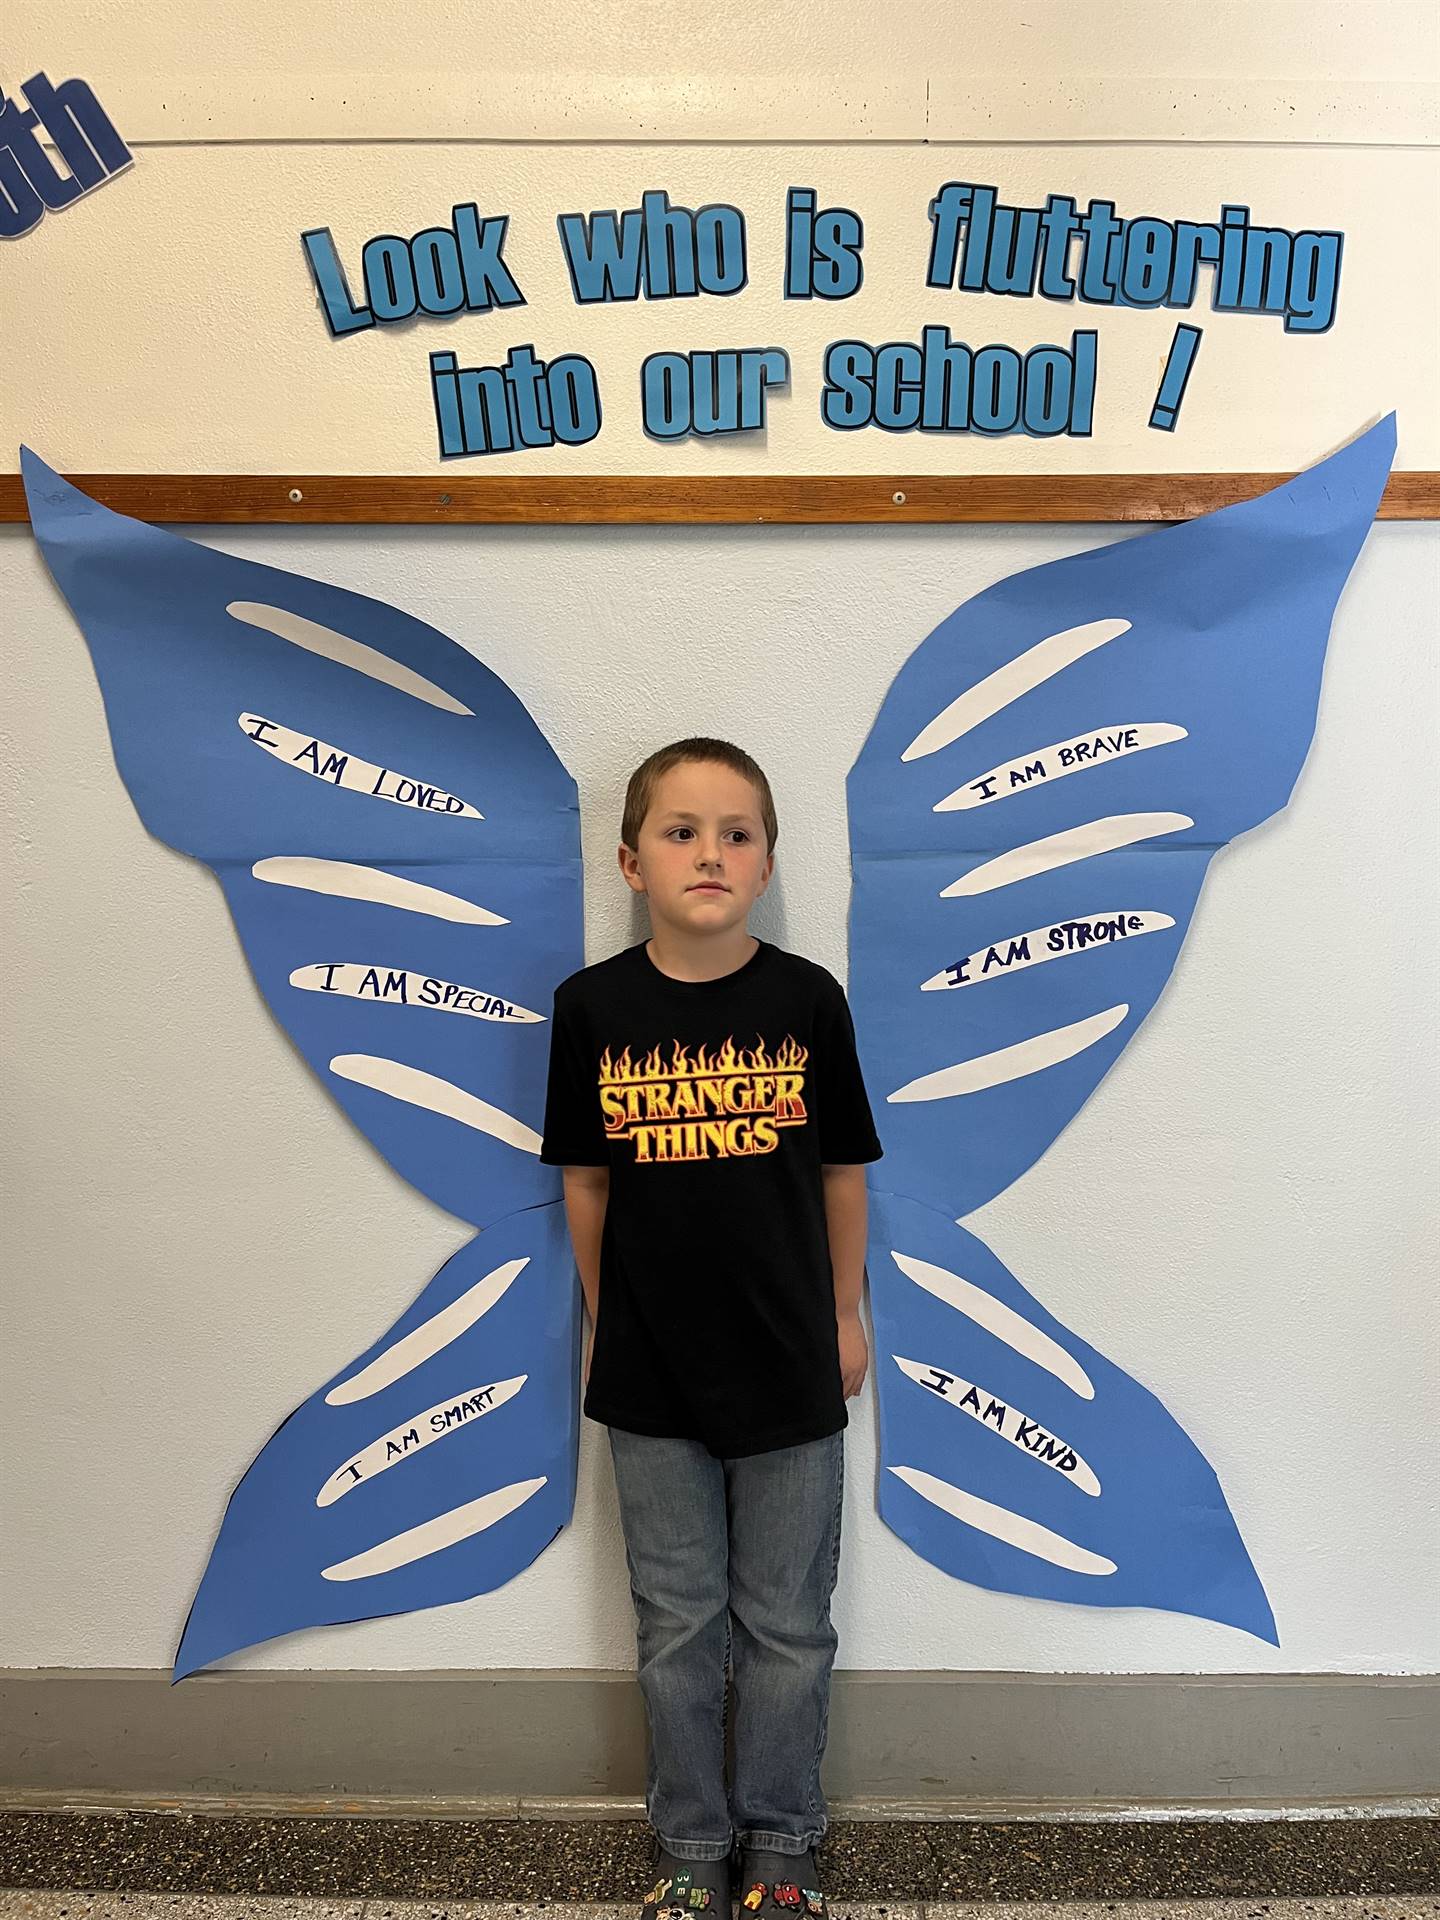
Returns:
point(707, 886)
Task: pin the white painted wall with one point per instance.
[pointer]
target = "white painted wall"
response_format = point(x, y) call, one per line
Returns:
point(1241, 1215)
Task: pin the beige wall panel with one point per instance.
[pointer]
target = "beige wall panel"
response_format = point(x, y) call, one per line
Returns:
point(168, 321)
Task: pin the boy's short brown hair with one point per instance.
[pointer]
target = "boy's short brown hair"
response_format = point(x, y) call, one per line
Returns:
point(643, 781)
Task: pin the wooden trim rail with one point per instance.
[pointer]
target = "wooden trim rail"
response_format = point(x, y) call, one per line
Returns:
point(470, 499)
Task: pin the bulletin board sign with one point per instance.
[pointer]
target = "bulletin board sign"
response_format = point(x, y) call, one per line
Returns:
point(742, 333)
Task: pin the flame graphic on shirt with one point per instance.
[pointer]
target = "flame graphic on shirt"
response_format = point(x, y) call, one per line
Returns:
point(712, 1103)
point(788, 1057)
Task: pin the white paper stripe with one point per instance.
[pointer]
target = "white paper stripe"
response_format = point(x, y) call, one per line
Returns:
point(1012, 953)
point(1019, 676)
point(411, 1436)
point(1064, 849)
point(399, 987)
point(348, 880)
point(1020, 775)
point(1034, 1055)
point(1001, 1524)
point(432, 1536)
point(317, 759)
point(345, 651)
point(428, 1090)
point(1008, 1422)
point(1028, 1340)
point(422, 1343)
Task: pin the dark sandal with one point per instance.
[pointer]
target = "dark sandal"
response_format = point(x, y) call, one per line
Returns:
point(783, 1897)
point(676, 1897)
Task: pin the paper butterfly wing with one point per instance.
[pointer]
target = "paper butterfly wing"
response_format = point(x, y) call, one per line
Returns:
point(382, 813)
point(1032, 818)
point(1153, 698)
point(399, 848)
point(1019, 1458)
point(435, 1467)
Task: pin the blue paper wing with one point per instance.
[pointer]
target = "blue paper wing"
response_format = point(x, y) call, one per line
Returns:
point(1183, 667)
point(1019, 1458)
point(399, 848)
point(1031, 820)
point(434, 1468)
point(398, 842)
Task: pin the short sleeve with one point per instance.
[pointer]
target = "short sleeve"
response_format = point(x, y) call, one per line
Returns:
point(846, 1124)
point(574, 1134)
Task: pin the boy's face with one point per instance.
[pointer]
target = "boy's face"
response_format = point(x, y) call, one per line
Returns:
point(702, 860)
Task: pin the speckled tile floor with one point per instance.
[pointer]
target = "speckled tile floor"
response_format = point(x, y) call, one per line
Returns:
point(520, 1866)
point(23, 1905)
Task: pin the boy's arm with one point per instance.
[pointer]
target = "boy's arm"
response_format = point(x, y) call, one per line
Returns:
point(845, 1220)
point(848, 1142)
point(574, 1141)
point(587, 1193)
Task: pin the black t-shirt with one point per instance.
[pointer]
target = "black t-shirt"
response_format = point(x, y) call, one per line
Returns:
point(714, 1103)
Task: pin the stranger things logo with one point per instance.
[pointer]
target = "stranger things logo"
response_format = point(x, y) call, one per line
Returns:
point(704, 1105)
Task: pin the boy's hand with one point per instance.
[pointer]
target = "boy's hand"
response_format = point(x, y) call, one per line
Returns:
point(854, 1353)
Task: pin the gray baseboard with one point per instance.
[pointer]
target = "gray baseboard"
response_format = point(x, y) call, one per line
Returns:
point(911, 1741)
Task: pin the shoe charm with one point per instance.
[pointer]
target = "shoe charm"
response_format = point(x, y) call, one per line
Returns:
point(699, 1899)
point(755, 1897)
point(657, 1893)
point(814, 1901)
point(786, 1894)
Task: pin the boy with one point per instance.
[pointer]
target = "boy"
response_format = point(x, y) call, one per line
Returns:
point(707, 1106)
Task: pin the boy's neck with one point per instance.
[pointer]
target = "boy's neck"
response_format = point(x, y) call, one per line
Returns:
point(705, 957)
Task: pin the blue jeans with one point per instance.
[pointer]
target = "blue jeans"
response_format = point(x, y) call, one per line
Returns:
point(733, 1561)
